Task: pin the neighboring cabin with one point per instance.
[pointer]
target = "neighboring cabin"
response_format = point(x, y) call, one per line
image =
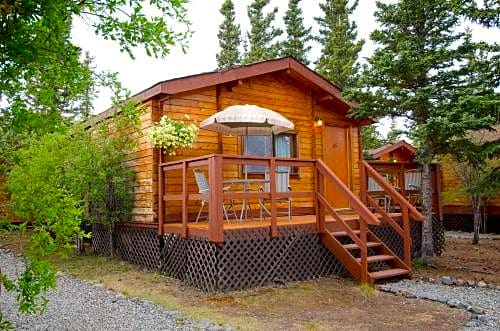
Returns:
point(456, 203)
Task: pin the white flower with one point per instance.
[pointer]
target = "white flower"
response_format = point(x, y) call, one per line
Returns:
point(170, 134)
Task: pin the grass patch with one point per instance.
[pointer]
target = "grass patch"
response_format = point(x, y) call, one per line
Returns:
point(367, 288)
point(311, 326)
point(419, 264)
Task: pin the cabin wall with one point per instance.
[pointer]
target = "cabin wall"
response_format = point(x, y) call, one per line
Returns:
point(275, 92)
point(455, 199)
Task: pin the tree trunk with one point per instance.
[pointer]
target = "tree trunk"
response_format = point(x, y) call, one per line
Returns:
point(80, 247)
point(476, 210)
point(427, 240)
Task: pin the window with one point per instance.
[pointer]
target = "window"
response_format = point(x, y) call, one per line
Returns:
point(283, 145)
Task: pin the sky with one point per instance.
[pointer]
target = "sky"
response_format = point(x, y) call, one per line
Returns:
point(143, 71)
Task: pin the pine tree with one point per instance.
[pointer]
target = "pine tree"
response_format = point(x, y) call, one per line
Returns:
point(422, 71)
point(229, 38)
point(337, 36)
point(297, 34)
point(262, 35)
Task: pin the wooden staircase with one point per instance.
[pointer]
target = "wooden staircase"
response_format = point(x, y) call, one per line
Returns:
point(361, 252)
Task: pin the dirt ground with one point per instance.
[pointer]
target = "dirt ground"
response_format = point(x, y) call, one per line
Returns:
point(461, 259)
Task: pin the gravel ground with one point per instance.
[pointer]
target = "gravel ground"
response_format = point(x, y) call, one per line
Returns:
point(484, 303)
point(79, 305)
point(469, 235)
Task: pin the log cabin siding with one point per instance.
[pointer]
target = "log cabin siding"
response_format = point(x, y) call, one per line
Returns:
point(272, 91)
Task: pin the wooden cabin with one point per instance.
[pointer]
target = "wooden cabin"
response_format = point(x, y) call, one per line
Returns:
point(457, 207)
point(333, 225)
point(396, 162)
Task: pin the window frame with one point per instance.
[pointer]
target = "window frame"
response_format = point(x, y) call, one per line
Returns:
point(294, 153)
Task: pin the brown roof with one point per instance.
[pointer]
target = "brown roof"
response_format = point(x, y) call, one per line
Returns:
point(325, 90)
point(378, 152)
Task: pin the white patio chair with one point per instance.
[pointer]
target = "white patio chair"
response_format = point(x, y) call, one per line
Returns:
point(382, 199)
point(203, 187)
point(282, 179)
point(413, 182)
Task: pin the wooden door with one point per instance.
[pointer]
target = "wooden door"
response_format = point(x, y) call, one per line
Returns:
point(336, 155)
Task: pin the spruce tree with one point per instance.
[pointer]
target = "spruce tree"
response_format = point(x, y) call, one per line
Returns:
point(297, 34)
point(337, 36)
point(422, 71)
point(262, 35)
point(229, 38)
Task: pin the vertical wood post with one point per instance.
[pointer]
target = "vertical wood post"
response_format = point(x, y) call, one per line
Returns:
point(363, 183)
point(272, 191)
point(402, 181)
point(320, 214)
point(215, 200)
point(161, 193)
point(407, 236)
point(184, 200)
point(363, 250)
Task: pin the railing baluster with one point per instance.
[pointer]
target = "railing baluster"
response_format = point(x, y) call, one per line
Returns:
point(320, 216)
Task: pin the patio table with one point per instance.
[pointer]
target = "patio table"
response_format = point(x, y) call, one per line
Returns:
point(246, 187)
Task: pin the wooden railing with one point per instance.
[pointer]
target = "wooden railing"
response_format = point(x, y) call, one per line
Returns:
point(407, 209)
point(216, 196)
point(324, 176)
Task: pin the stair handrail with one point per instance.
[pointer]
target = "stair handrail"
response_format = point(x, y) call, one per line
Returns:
point(353, 199)
point(365, 215)
point(392, 191)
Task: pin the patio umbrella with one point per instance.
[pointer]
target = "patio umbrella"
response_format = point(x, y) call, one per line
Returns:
point(243, 120)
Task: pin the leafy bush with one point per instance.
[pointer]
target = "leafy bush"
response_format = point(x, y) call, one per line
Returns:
point(61, 180)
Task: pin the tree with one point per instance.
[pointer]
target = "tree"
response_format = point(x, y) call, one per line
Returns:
point(45, 81)
point(297, 34)
point(370, 137)
point(477, 171)
point(229, 38)
point(394, 134)
point(337, 36)
point(46, 84)
point(420, 72)
point(262, 35)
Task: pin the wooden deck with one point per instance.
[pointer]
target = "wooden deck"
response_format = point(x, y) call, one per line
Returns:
point(201, 228)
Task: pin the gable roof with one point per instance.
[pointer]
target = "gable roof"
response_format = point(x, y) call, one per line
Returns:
point(378, 152)
point(291, 66)
point(325, 90)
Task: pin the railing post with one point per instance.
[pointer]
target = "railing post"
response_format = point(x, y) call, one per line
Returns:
point(215, 200)
point(363, 250)
point(407, 236)
point(363, 183)
point(184, 201)
point(272, 191)
point(320, 190)
point(161, 194)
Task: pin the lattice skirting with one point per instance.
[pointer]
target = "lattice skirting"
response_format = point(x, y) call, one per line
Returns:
point(140, 246)
point(248, 258)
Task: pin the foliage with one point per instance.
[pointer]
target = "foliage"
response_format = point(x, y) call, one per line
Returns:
point(429, 72)
point(297, 34)
point(337, 36)
point(46, 81)
point(476, 163)
point(262, 35)
point(370, 137)
point(229, 38)
point(171, 134)
point(394, 134)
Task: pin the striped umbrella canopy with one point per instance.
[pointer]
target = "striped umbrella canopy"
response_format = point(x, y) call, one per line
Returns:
point(247, 120)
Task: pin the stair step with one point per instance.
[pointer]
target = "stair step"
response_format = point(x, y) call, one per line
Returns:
point(355, 246)
point(377, 258)
point(343, 233)
point(388, 273)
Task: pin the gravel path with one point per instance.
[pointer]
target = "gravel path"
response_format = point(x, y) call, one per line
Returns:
point(484, 303)
point(78, 305)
